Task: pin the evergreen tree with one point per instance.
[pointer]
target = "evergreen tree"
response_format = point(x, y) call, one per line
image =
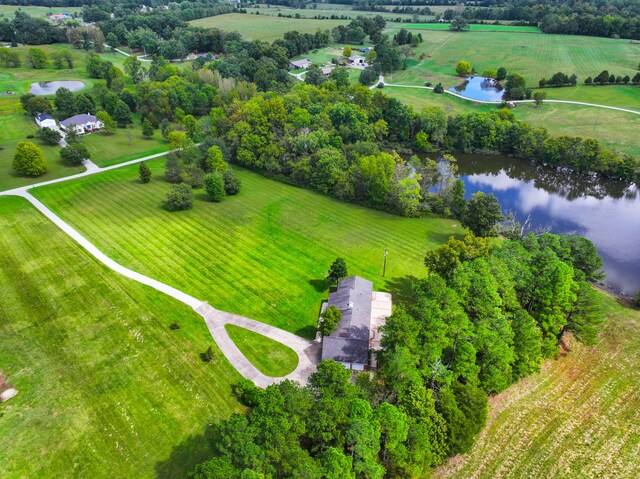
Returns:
point(337, 271)
point(147, 129)
point(232, 183)
point(180, 197)
point(144, 172)
point(173, 169)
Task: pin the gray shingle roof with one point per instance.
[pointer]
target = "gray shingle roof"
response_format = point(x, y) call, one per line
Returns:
point(81, 119)
point(43, 116)
point(350, 342)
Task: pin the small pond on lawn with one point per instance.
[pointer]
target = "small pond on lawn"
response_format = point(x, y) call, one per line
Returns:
point(50, 87)
point(605, 211)
point(479, 88)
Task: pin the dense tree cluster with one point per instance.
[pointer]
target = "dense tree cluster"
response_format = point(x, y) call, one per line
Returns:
point(606, 78)
point(559, 79)
point(486, 316)
point(618, 18)
point(30, 30)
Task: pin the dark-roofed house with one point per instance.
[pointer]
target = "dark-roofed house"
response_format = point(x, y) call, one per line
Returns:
point(363, 312)
point(304, 63)
point(81, 124)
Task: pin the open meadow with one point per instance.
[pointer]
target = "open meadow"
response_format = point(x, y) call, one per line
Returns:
point(328, 10)
point(616, 129)
point(104, 384)
point(580, 417)
point(263, 254)
point(534, 56)
point(264, 27)
point(7, 11)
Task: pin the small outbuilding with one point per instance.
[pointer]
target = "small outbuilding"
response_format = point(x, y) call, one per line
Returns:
point(358, 61)
point(364, 311)
point(45, 121)
point(81, 124)
point(304, 63)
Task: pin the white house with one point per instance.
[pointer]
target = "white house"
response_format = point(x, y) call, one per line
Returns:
point(358, 61)
point(45, 121)
point(81, 124)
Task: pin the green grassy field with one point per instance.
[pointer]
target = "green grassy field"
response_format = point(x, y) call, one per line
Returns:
point(270, 357)
point(616, 129)
point(104, 384)
point(14, 128)
point(126, 144)
point(533, 56)
point(265, 27)
point(327, 10)
point(263, 254)
point(7, 11)
point(474, 27)
point(579, 418)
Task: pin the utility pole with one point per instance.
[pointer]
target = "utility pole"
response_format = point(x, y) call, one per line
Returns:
point(384, 266)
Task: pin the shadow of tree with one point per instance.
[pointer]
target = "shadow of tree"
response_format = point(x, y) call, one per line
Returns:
point(401, 288)
point(320, 285)
point(184, 457)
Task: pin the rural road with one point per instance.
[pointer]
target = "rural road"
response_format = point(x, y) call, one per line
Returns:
point(308, 352)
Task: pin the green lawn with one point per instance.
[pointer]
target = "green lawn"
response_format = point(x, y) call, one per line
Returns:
point(104, 384)
point(270, 357)
point(126, 144)
point(327, 10)
point(533, 56)
point(616, 129)
point(576, 419)
point(7, 11)
point(14, 128)
point(263, 254)
point(265, 27)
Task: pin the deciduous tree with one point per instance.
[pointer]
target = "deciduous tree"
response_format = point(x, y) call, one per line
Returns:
point(29, 159)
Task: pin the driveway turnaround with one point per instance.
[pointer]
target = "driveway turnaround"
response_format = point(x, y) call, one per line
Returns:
point(308, 351)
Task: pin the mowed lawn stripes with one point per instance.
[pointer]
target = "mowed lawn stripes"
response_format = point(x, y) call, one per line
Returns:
point(104, 383)
point(263, 253)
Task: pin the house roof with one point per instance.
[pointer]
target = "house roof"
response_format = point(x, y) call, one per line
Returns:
point(43, 116)
point(301, 63)
point(350, 342)
point(353, 58)
point(81, 119)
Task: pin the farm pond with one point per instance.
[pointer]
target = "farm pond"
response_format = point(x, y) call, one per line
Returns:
point(479, 88)
point(51, 87)
point(605, 211)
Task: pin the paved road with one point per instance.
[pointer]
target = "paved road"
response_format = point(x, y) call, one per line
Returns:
point(308, 351)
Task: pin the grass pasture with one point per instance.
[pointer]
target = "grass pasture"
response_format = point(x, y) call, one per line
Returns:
point(270, 357)
point(104, 384)
point(533, 56)
point(615, 128)
point(7, 11)
point(327, 10)
point(578, 418)
point(263, 254)
point(265, 27)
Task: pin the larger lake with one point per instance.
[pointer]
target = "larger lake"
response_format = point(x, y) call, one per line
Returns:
point(606, 212)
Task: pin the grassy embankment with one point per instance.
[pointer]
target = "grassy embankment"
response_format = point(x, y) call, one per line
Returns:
point(104, 384)
point(580, 417)
point(263, 254)
point(15, 126)
point(270, 357)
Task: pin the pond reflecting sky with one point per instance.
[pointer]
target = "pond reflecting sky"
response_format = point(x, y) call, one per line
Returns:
point(479, 88)
point(606, 212)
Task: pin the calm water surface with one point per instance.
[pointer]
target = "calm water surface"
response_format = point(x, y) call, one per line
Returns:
point(50, 87)
point(479, 88)
point(606, 212)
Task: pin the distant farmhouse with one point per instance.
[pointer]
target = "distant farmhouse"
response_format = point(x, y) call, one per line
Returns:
point(81, 124)
point(358, 61)
point(363, 312)
point(304, 63)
